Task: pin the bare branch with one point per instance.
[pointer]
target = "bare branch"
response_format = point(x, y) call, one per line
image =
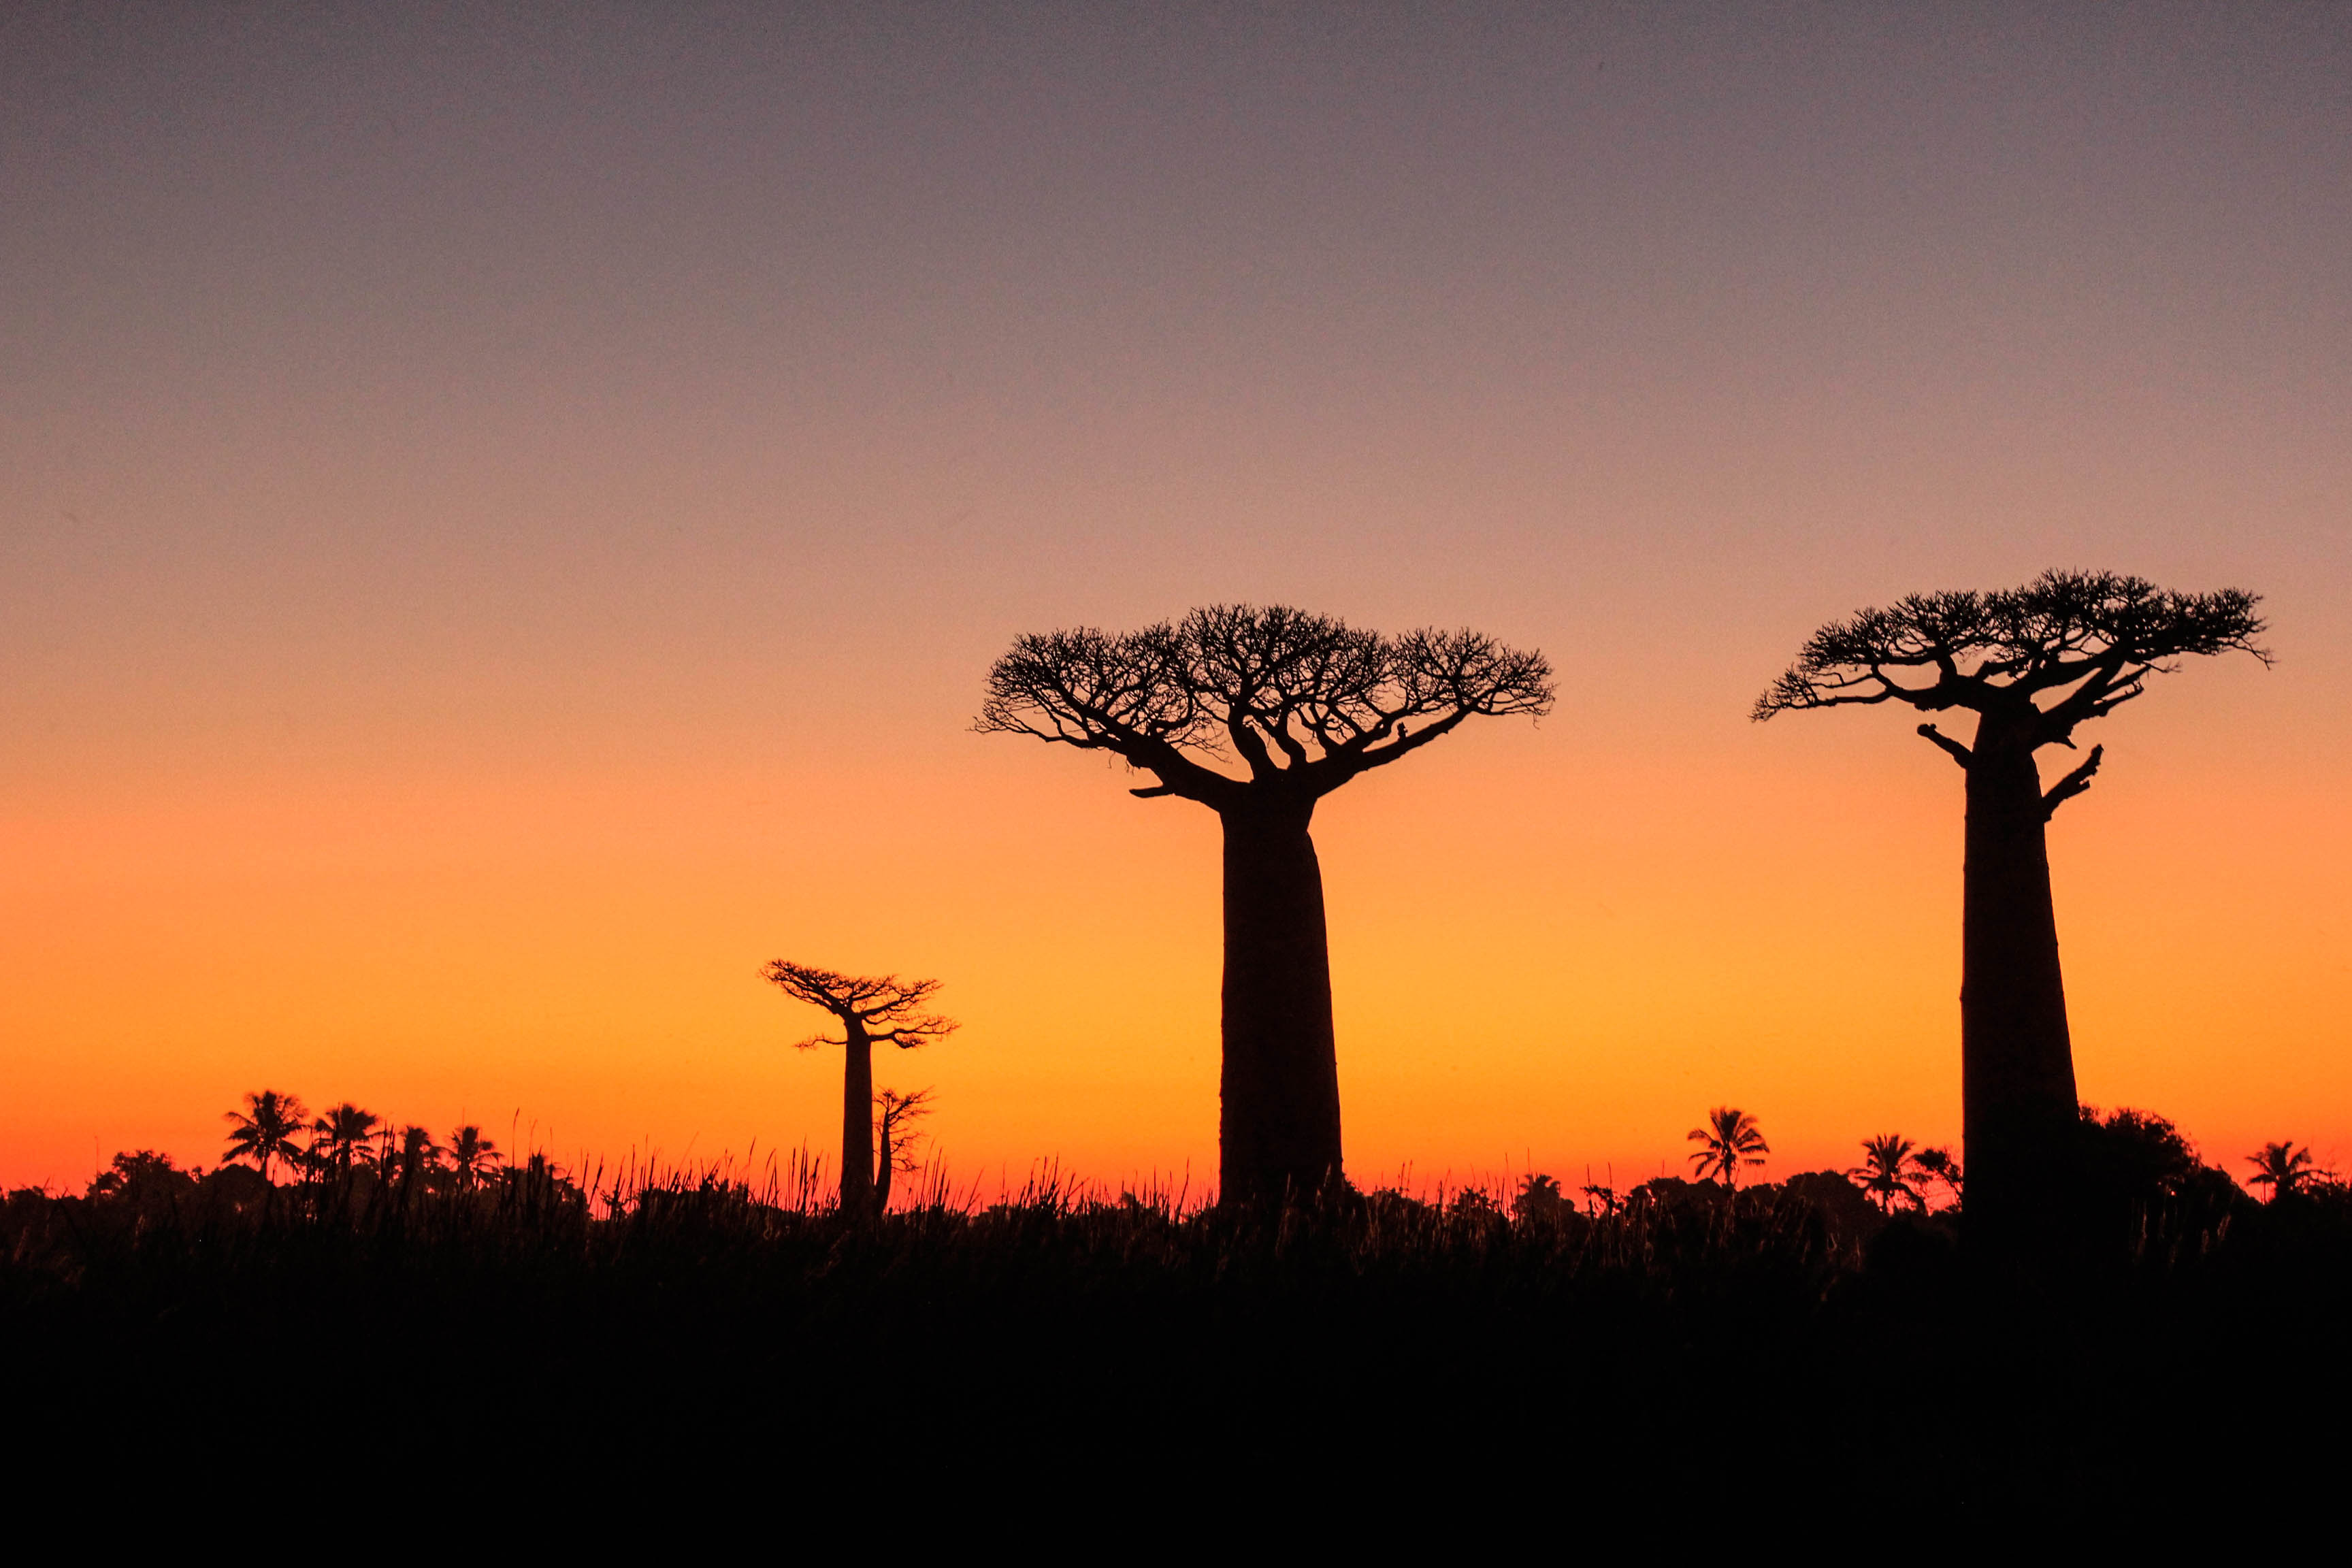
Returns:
point(2073, 785)
point(1960, 754)
point(862, 1002)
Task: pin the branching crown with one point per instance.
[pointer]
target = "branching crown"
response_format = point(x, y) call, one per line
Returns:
point(1302, 701)
point(884, 1008)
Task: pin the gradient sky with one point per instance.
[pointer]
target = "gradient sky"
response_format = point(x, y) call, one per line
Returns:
point(505, 512)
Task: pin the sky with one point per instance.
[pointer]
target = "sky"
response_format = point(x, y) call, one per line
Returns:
point(506, 513)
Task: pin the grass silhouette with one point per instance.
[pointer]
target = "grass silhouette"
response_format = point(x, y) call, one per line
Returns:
point(1062, 1325)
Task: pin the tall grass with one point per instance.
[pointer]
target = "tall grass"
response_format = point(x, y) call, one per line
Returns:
point(732, 1300)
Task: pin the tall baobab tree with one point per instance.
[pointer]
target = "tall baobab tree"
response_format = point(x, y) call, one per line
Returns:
point(2033, 665)
point(871, 1010)
point(1729, 1139)
point(265, 1129)
point(1302, 703)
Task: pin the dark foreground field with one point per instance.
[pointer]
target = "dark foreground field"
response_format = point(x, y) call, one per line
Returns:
point(1785, 1343)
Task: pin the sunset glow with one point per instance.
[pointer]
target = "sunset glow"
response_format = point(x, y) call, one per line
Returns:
point(503, 526)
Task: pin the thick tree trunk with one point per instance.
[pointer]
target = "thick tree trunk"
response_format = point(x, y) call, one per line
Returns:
point(1280, 1089)
point(857, 1121)
point(2017, 1060)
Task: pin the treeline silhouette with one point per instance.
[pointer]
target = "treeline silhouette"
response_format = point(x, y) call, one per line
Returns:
point(1573, 1323)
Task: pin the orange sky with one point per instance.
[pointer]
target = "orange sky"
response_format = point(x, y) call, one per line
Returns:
point(501, 532)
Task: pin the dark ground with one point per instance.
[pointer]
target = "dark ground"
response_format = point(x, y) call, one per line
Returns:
point(1788, 1344)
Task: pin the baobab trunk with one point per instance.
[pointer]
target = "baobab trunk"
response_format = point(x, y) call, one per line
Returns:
point(2017, 1060)
point(1280, 1087)
point(857, 1119)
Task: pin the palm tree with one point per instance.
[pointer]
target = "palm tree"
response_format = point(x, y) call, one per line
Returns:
point(1540, 1198)
point(419, 1158)
point(265, 1129)
point(2282, 1168)
point(1890, 1170)
point(1728, 1141)
point(339, 1134)
point(472, 1157)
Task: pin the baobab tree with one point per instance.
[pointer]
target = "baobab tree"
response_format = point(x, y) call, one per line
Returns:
point(2033, 665)
point(895, 1115)
point(1729, 1139)
point(1302, 704)
point(871, 1010)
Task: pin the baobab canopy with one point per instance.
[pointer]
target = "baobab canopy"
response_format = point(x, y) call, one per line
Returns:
point(1302, 698)
point(2100, 633)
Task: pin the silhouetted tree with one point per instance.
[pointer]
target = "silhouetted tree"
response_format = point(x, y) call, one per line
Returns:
point(1541, 1198)
point(2284, 1169)
point(1303, 703)
point(143, 1177)
point(265, 1129)
point(342, 1133)
point(1728, 1141)
point(2035, 664)
point(895, 1115)
point(1889, 1170)
point(871, 1011)
point(1601, 1197)
point(2143, 1184)
point(1940, 1166)
point(419, 1157)
point(472, 1157)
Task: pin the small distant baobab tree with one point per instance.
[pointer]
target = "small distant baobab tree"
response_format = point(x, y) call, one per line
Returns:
point(265, 1129)
point(895, 1115)
point(2033, 665)
point(1302, 704)
point(870, 1011)
point(1729, 1139)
